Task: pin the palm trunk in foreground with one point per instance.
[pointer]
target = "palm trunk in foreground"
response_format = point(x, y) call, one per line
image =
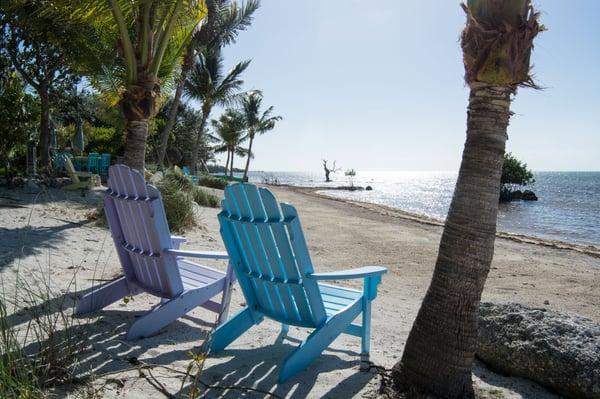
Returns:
point(227, 164)
point(496, 42)
point(439, 351)
point(245, 177)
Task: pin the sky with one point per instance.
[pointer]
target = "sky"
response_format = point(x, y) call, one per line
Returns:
point(378, 85)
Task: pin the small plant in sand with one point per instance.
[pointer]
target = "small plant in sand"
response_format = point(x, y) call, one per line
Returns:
point(350, 173)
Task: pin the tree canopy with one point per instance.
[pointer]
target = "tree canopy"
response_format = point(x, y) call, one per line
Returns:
point(515, 172)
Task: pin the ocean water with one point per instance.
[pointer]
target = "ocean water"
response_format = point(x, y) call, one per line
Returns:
point(568, 208)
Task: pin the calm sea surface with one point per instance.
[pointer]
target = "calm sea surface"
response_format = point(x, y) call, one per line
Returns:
point(568, 208)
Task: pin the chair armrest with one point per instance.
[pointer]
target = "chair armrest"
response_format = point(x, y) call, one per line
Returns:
point(198, 254)
point(361, 272)
point(176, 241)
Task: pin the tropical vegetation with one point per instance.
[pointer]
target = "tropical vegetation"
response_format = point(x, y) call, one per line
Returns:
point(69, 64)
point(224, 22)
point(230, 129)
point(255, 121)
point(211, 85)
point(515, 172)
point(438, 357)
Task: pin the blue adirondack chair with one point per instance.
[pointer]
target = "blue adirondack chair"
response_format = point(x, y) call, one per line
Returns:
point(151, 259)
point(93, 162)
point(187, 173)
point(104, 164)
point(271, 260)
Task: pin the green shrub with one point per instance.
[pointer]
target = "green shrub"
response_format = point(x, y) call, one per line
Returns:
point(212, 182)
point(105, 140)
point(177, 199)
point(179, 193)
point(204, 198)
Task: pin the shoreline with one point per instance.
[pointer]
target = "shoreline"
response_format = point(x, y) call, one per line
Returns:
point(386, 210)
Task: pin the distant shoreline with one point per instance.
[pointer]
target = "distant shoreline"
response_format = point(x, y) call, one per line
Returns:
point(385, 210)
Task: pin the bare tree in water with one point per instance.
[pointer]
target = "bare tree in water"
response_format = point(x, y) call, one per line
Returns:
point(328, 171)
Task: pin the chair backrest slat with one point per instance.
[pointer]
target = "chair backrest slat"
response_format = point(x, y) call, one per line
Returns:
point(271, 262)
point(137, 221)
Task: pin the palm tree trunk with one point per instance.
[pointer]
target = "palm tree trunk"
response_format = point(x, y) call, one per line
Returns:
point(138, 103)
point(227, 163)
point(231, 166)
point(245, 178)
point(164, 134)
point(439, 351)
point(196, 149)
point(44, 143)
point(135, 144)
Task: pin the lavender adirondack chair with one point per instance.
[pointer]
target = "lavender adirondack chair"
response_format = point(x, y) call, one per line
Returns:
point(152, 261)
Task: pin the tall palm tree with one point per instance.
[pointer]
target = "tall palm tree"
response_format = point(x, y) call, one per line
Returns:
point(224, 21)
point(208, 84)
point(230, 129)
point(497, 42)
point(256, 123)
point(140, 42)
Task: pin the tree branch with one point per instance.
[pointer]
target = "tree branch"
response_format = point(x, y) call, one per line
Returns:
point(17, 65)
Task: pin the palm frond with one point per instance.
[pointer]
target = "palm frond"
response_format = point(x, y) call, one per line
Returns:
point(234, 19)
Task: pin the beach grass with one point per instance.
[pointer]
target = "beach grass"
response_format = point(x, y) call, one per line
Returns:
point(40, 338)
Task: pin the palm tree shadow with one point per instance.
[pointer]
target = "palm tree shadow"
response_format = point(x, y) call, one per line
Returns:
point(30, 240)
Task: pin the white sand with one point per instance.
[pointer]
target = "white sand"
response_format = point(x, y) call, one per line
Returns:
point(55, 235)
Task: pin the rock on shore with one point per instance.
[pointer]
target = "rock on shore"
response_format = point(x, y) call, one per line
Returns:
point(559, 351)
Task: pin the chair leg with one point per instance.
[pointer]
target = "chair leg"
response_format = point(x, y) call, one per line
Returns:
point(168, 312)
point(366, 326)
point(233, 328)
point(366, 334)
point(226, 298)
point(285, 328)
point(317, 341)
point(102, 296)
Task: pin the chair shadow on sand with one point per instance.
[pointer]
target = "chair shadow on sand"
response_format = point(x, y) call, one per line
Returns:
point(101, 339)
point(258, 369)
point(105, 352)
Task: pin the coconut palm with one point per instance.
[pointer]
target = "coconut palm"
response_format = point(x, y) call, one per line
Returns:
point(256, 123)
point(223, 23)
point(230, 129)
point(497, 43)
point(140, 42)
point(208, 84)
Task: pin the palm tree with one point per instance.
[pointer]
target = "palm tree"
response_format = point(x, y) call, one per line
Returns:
point(230, 129)
point(224, 22)
point(208, 84)
point(139, 44)
point(255, 122)
point(497, 43)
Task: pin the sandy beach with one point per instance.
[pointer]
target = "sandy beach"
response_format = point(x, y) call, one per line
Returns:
point(50, 232)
